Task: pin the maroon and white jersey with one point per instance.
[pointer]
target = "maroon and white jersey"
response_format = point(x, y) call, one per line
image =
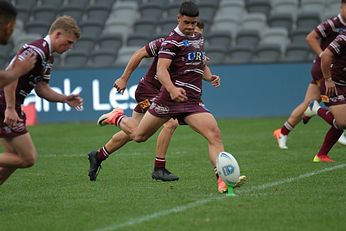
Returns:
point(338, 69)
point(327, 31)
point(188, 63)
point(150, 79)
point(41, 71)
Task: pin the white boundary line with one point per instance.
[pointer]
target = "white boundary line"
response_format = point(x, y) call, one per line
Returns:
point(182, 208)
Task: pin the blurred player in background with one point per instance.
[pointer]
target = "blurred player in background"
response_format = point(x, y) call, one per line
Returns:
point(180, 69)
point(147, 89)
point(333, 95)
point(318, 39)
point(19, 150)
point(8, 14)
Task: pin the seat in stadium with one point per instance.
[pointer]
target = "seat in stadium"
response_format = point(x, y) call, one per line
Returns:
point(172, 9)
point(313, 5)
point(91, 28)
point(97, 13)
point(28, 4)
point(254, 21)
point(124, 55)
point(275, 36)
point(308, 20)
point(297, 53)
point(151, 10)
point(52, 3)
point(23, 13)
point(207, 10)
point(85, 43)
point(167, 25)
point(145, 26)
point(37, 27)
point(103, 58)
point(333, 6)
point(281, 20)
point(137, 39)
point(249, 38)
point(228, 23)
point(267, 53)
point(107, 3)
point(219, 39)
point(74, 11)
point(111, 42)
point(78, 2)
point(238, 54)
point(216, 55)
point(45, 13)
point(76, 59)
point(231, 8)
point(123, 9)
point(297, 36)
point(258, 6)
point(6, 53)
point(285, 6)
point(58, 61)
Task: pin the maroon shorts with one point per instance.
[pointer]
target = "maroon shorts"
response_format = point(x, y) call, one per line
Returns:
point(176, 110)
point(19, 129)
point(333, 100)
point(144, 96)
point(316, 72)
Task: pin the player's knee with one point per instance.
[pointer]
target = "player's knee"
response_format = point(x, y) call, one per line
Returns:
point(216, 134)
point(170, 126)
point(29, 161)
point(141, 138)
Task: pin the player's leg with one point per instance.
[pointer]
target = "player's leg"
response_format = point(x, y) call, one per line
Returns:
point(206, 125)
point(160, 172)
point(118, 140)
point(312, 93)
point(19, 152)
point(338, 112)
point(5, 172)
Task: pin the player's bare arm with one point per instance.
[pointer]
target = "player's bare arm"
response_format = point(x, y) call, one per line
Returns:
point(135, 60)
point(11, 116)
point(18, 68)
point(177, 94)
point(326, 61)
point(213, 79)
point(313, 40)
point(44, 91)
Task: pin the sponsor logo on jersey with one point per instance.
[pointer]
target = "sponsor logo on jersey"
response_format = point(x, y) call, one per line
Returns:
point(196, 56)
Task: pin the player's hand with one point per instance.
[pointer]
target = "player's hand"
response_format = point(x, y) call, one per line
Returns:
point(178, 94)
point(21, 66)
point(215, 80)
point(11, 117)
point(74, 100)
point(330, 87)
point(120, 85)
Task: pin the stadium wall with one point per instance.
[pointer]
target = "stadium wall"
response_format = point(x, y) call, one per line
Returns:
point(245, 91)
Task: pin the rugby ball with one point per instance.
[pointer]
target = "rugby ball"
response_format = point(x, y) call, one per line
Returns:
point(227, 168)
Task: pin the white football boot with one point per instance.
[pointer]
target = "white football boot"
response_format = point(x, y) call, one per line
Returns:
point(342, 139)
point(280, 138)
point(312, 109)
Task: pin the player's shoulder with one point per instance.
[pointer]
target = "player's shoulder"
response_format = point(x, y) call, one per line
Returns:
point(39, 46)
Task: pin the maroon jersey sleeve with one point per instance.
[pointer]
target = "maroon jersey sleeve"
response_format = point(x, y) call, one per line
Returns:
point(326, 27)
point(338, 46)
point(154, 46)
point(169, 48)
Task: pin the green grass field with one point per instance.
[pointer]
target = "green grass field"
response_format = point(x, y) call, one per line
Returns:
point(284, 191)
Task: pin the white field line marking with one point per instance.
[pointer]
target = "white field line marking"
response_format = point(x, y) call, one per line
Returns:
point(182, 208)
